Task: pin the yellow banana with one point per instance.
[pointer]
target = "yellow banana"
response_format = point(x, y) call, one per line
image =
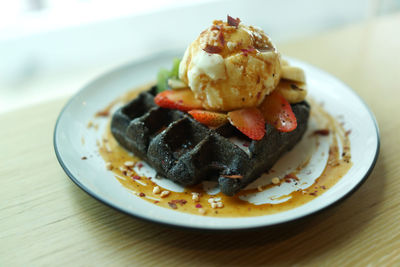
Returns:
point(293, 74)
point(284, 62)
point(293, 92)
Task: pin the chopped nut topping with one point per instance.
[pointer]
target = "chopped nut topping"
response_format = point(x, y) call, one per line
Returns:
point(202, 211)
point(195, 196)
point(164, 193)
point(212, 49)
point(109, 166)
point(215, 202)
point(233, 22)
point(259, 188)
point(156, 190)
point(129, 164)
point(276, 180)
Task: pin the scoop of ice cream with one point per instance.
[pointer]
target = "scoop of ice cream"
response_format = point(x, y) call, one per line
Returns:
point(231, 66)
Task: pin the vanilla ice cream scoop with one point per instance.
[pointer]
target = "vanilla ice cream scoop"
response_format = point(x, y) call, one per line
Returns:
point(231, 66)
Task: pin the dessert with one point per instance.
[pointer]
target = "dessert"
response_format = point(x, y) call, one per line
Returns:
point(184, 144)
point(187, 152)
point(231, 84)
point(231, 66)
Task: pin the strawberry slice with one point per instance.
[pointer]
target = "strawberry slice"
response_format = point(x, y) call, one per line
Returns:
point(209, 118)
point(182, 99)
point(278, 112)
point(249, 121)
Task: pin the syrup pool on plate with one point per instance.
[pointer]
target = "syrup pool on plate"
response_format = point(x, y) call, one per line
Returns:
point(314, 165)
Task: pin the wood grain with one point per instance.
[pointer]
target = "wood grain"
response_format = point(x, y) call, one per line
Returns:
point(47, 220)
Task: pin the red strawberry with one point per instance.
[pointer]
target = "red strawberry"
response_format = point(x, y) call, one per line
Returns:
point(249, 121)
point(278, 112)
point(209, 118)
point(182, 99)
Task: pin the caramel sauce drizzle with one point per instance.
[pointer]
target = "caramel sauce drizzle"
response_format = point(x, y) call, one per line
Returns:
point(337, 166)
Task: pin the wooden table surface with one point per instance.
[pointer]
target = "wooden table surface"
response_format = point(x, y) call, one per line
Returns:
point(47, 220)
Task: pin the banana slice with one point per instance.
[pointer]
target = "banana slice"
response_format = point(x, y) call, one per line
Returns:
point(293, 74)
point(284, 62)
point(293, 92)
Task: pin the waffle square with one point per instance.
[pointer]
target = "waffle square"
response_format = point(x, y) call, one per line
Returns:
point(187, 152)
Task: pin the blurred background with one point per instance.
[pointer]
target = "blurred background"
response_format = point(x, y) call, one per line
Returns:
point(51, 48)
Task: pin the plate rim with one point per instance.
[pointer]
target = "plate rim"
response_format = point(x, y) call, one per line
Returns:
point(90, 192)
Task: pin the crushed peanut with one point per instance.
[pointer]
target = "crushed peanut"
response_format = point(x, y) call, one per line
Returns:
point(129, 164)
point(195, 196)
point(276, 180)
point(156, 190)
point(164, 193)
point(109, 166)
point(259, 188)
point(202, 211)
point(215, 202)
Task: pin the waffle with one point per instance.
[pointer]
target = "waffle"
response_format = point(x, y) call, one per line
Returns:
point(187, 152)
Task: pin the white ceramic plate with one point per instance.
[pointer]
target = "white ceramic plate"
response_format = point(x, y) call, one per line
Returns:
point(339, 100)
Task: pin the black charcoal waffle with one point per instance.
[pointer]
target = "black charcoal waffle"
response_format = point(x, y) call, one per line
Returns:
point(187, 152)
